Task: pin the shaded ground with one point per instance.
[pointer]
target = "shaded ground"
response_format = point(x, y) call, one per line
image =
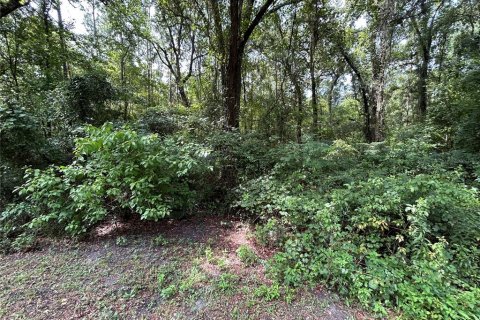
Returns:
point(185, 269)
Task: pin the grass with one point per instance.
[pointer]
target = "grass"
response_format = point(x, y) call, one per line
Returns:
point(194, 274)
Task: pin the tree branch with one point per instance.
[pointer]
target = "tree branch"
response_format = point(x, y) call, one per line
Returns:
point(8, 6)
point(258, 17)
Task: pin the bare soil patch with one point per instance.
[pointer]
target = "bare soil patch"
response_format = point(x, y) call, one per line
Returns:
point(196, 274)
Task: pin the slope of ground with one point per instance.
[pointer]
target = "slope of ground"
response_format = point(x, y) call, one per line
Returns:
point(186, 269)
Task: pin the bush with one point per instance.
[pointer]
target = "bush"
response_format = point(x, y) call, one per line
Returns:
point(159, 241)
point(271, 234)
point(246, 255)
point(113, 171)
point(393, 225)
point(14, 233)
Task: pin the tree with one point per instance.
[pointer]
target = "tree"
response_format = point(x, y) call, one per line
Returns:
point(174, 39)
point(427, 21)
point(382, 17)
point(239, 16)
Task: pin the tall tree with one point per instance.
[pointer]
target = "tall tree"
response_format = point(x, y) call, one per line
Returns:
point(427, 21)
point(240, 15)
point(382, 18)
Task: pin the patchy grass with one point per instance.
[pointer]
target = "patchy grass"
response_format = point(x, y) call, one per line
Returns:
point(186, 269)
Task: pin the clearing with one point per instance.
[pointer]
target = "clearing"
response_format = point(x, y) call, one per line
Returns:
point(174, 269)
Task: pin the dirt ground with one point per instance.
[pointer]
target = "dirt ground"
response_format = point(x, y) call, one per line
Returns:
point(186, 269)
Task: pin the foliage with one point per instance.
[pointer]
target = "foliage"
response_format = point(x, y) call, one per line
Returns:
point(115, 170)
point(246, 255)
point(393, 223)
point(121, 241)
point(227, 281)
point(159, 241)
point(14, 236)
point(268, 293)
point(397, 236)
point(87, 98)
point(271, 233)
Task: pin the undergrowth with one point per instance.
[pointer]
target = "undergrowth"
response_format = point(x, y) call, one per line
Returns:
point(392, 225)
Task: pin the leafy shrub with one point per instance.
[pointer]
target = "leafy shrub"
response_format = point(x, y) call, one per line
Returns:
point(159, 122)
point(268, 293)
point(13, 225)
point(159, 241)
point(227, 281)
point(249, 155)
point(272, 233)
point(87, 98)
point(115, 170)
point(121, 241)
point(195, 276)
point(394, 225)
point(209, 255)
point(246, 255)
point(168, 292)
point(21, 143)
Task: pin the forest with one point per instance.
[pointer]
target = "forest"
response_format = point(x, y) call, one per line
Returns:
point(240, 159)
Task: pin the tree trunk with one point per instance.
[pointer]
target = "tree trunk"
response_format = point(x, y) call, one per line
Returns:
point(331, 88)
point(236, 48)
point(299, 100)
point(313, 81)
point(123, 80)
point(380, 47)
point(183, 94)
point(46, 25)
point(422, 89)
point(234, 68)
point(233, 90)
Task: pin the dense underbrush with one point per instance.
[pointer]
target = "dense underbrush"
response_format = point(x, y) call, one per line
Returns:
point(114, 172)
point(392, 225)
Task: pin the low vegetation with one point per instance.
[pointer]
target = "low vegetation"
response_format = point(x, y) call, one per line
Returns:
point(393, 226)
point(228, 159)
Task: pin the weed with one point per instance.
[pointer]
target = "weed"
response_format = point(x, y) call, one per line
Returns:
point(121, 241)
point(168, 292)
point(209, 255)
point(246, 255)
point(159, 241)
point(227, 282)
point(268, 293)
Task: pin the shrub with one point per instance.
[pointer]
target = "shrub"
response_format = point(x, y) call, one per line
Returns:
point(121, 241)
point(159, 241)
point(272, 233)
point(246, 255)
point(394, 225)
point(168, 292)
point(227, 281)
point(14, 232)
point(268, 293)
point(115, 170)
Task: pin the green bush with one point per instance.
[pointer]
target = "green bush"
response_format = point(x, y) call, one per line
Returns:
point(271, 234)
point(159, 241)
point(227, 281)
point(14, 233)
point(121, 241)
point(268, 293)
point(246, 255)
point(394, 225)
point(115, 171)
